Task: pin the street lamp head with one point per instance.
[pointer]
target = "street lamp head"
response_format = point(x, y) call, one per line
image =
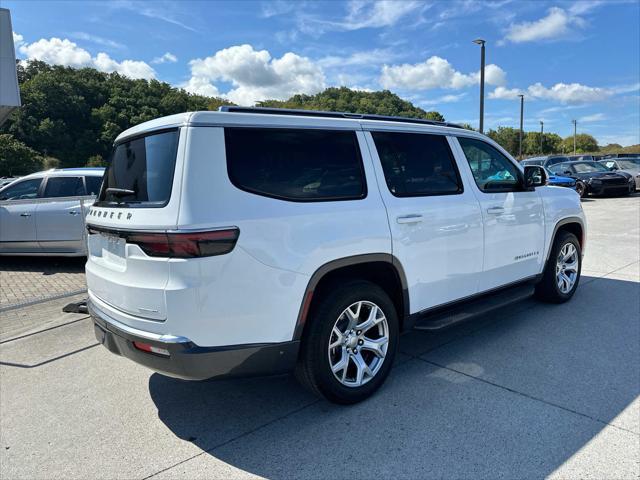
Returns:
point(521, 95)
point(479, 41)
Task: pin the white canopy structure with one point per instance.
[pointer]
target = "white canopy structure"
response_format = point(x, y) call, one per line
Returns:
point(9, 90)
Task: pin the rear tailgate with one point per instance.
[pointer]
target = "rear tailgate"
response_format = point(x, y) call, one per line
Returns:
point(140, 193)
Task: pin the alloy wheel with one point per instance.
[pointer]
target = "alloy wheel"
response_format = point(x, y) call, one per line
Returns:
point(567, 267)
point(358, 343)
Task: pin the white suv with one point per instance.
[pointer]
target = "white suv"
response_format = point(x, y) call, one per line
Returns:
point(257, 241)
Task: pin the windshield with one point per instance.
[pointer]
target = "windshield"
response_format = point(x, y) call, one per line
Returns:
point(587, 167)
point(140, 172)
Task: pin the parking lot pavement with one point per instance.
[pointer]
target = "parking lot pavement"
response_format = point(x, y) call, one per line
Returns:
point(536, 390)
point(28, 280)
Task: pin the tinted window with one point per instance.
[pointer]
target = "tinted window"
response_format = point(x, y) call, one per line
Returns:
point(295, 164)
point(417, 164)
point(554, 160)
point(589, 167)
point(492, 171)
point(141, 171)
point(561, 169)
point(22, 190)
point(93, 184)
point(63, 187)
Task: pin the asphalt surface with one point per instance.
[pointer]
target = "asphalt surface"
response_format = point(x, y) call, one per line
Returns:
point(532, 391)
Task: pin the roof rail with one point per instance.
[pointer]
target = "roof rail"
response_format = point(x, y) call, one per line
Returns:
point(320, 113)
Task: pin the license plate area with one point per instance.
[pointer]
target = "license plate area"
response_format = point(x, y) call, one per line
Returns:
point(113, 248)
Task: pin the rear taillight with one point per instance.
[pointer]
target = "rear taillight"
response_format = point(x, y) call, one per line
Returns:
point(178, 244)
point(185, 245)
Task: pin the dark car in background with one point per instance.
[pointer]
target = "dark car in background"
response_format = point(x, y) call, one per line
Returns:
point(630, 165)
point(546, 161)
point(597, 178)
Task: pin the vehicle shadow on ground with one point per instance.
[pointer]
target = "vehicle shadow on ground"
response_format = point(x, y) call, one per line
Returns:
point(515, 393)
point(45, 265)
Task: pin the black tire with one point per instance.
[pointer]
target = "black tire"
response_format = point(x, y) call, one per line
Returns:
point(581, 189)
point(548, 290)
point(314, 369)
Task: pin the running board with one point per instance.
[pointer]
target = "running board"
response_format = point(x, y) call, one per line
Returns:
point(460, 312)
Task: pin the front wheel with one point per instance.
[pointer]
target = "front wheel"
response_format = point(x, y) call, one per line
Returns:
point(350, 343)
point(562, 272)
point(581, 189)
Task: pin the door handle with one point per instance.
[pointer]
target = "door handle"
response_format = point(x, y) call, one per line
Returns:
point(25, 214)
point(413, 218)
point(74, 212)
point(495, 210)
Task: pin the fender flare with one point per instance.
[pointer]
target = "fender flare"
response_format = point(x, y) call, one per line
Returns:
point(333, 265)
point(560, 223)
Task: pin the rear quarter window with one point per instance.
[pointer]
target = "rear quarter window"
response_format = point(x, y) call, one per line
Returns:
point(296, 164)
point(140, 172)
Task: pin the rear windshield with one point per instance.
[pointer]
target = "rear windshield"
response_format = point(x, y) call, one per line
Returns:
point(140, 171)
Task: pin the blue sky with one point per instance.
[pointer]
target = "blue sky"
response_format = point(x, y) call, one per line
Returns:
point(571, 59)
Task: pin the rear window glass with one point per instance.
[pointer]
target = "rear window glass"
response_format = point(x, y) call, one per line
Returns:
point(93, 184)
point(417, 164)
point(295, 164)
point(140, 172)
point(63, 187)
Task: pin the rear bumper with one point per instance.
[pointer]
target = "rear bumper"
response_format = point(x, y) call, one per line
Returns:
point(189, 361)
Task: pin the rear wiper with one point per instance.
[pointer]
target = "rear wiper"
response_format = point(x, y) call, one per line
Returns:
point(120, 192)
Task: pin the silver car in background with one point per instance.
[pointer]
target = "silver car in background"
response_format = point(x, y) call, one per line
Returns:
point(43, 213)
point(629, 165)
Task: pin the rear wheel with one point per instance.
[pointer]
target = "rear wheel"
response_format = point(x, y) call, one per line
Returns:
point(562, 272)
point(350, 343)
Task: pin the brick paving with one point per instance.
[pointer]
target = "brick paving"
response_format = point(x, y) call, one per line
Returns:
point(24, 280)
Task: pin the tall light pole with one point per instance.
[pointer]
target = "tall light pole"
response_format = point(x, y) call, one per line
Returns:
point(521, 124)
point(541, 137)
point(481, 42)
point(575, 129)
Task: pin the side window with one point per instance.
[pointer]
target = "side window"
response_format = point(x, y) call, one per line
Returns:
point(22, 190)
point(63, 187)
point(93, 184)
point(295, 164)
point(492, 171)
point(417, 164)
point(560, 169)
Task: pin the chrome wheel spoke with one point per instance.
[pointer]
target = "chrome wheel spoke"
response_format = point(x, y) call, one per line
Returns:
point(362, 369)
point(372, 320)
point(571, 267)
point(377, 346)
point(352, 315)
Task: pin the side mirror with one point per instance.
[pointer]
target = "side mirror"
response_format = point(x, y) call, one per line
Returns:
point(534, 176)
point(567, 172)
point(613, 168)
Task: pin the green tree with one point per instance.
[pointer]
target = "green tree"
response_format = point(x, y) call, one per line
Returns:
point(584, 144)
point(343, 99)
point(507, 137)
point(96, 161)
point(16, 158)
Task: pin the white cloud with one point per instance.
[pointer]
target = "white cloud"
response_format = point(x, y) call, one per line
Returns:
point(67, 53)
point(565, 93)
point(105, 42)
point(557, 23)
point(255, 75)
point(166, 58)
point(371, 58)
point(444, 99)
point(596, 117)
point(129, 68)
point(17, 39)
point(383, 13)
point(436, 72)
point(571, 93)
point(504, 93)
point(57, 51)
